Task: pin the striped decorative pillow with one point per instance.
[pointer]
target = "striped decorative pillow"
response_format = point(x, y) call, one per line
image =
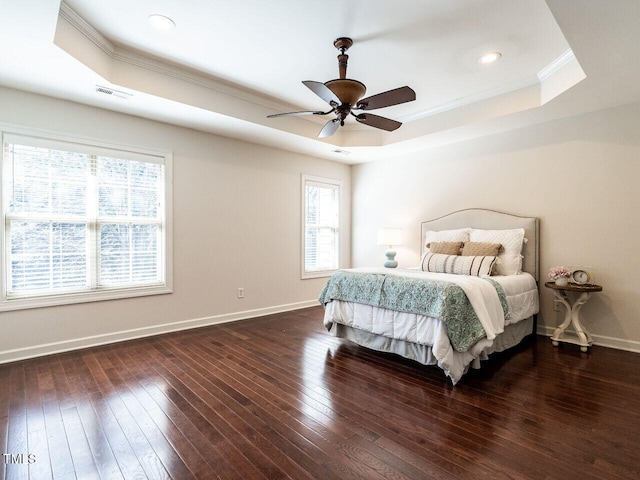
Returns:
point(477, 266)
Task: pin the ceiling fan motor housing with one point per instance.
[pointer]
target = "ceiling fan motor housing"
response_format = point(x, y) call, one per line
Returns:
point(347, 90)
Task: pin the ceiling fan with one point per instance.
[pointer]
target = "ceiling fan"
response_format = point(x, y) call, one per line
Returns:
point(344, 95)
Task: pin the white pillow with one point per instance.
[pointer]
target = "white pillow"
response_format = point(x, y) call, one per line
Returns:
point(510, 258)
point(479, 266)
point(460, 235)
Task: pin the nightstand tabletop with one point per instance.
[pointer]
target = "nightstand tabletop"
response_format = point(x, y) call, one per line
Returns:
point(574, 287)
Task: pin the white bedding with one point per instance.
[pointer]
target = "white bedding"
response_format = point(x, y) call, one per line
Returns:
point(481, 294)
point(522, 295)
point(522, 298)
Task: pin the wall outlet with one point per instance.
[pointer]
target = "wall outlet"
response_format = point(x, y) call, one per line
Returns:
point(240, 292)
point(557, 306)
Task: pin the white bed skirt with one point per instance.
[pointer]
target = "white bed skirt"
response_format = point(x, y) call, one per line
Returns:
point(454, 364)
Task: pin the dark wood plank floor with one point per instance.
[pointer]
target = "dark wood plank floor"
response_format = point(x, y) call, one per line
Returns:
point(278, 397)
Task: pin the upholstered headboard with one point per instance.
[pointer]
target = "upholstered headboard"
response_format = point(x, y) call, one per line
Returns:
point(493, 220)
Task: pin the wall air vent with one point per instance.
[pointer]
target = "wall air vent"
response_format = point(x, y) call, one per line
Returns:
point(112, 92)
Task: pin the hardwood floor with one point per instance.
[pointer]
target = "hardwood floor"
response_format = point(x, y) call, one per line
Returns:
point(278, 397)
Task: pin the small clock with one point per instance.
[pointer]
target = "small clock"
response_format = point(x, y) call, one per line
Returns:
point(581, 277)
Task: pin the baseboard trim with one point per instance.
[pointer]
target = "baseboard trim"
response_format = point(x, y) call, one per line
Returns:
point(601, 340)
point(124, 335)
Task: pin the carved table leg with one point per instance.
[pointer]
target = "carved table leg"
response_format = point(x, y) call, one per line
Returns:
point(572, 316)
point(562, 297)
point(583, 335)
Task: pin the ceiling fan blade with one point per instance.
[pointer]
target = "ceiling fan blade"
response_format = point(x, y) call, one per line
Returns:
point(299, 113)
point(329, 128)
point(387, 99)
point(378, 121)
point(321, 90)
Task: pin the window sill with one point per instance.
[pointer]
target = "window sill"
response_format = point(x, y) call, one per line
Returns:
point(322, 274)
point(84, 297)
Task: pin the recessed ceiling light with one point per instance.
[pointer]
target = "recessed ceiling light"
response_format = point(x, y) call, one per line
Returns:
point(161, 22)
point(490, 57)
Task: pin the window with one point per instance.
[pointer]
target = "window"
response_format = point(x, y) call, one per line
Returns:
point(82, 222)
point(321, 235)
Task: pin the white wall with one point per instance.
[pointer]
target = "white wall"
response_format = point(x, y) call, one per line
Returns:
point(237, 218)
point(236, 224)
point(578, 175)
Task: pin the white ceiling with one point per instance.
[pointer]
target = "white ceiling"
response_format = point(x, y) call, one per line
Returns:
point(230, 63)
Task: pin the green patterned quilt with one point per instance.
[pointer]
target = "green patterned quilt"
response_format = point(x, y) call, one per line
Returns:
point(443, 300)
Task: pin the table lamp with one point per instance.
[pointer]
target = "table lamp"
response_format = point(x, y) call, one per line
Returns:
point(390, 237)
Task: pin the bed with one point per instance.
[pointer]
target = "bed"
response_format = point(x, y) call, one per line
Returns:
point(458, 306)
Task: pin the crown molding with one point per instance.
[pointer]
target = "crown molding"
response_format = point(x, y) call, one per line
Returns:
point(469, 100)
point(85, 29)
point(557, 65)
point(161, 67)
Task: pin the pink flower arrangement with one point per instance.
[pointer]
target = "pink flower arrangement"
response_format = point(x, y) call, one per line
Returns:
point(559, 272)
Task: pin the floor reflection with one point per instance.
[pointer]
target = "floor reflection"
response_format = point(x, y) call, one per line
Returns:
point(319, 403)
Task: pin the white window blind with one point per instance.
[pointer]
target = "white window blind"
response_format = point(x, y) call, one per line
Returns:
point(321, 199)
point(80, 219)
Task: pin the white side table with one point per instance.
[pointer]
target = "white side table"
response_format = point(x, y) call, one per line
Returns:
point(572, 314)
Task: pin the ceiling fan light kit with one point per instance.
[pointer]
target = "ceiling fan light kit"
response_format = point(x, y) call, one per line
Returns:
point(344, 95)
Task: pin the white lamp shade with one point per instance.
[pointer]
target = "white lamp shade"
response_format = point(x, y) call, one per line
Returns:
point(390, 236)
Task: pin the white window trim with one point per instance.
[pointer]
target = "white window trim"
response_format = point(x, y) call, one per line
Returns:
point(165, 157)
point(304, 275)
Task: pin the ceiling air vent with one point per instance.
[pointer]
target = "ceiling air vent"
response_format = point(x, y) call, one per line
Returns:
point(112, 92)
